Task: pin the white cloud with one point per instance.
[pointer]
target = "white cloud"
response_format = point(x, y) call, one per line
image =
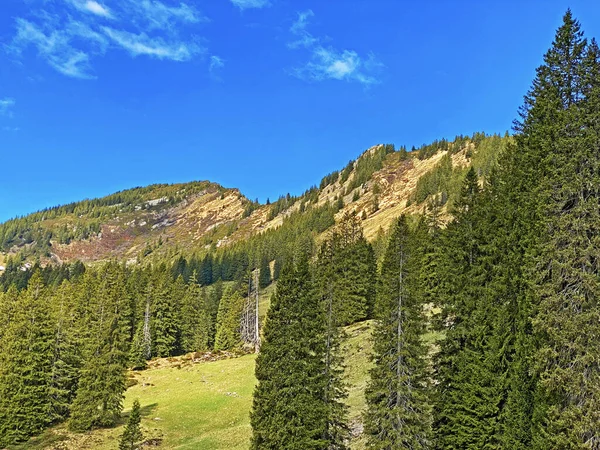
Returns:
point(69, 43)
point(299, 26)
point(97, 8)
point(75, 64)
point(13, 129)
point(79, 30)
point(327, 62)
point(248, 4)
point(305, 39)
point(214, 69)
point(142, 44)
point(91, 6)
point(216, 63)
point(6, 106)
point(335, 65)
point(157, 15)
point(54, 46)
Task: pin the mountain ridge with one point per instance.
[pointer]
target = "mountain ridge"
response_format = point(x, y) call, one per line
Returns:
point(202, 216)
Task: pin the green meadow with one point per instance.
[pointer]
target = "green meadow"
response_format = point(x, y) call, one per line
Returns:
point(203, 405)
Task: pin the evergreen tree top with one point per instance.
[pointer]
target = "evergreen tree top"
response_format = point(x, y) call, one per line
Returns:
point(559, 81)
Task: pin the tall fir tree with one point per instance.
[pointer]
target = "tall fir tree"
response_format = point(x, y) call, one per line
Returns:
point(289, 409)
point(511, 227)
point(214, 294)
point(8, 301)
point(195, 325)
point(138, 359)
point(99, 398)
point(165, 316)
point(229, 318)
point(333, 291)
point(178, 293)
point(346, 271)
point(560, 124)
point(67, 355)
point(26, 366)
point(264, 277)
point(398, 396)
point(469, 380)
point(140, 350)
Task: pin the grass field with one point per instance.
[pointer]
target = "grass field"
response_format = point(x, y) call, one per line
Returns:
point(184, 406)
point(204, 405)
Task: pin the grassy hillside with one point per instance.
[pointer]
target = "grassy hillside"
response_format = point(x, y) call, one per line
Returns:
point(203, 405)
point(357, 349)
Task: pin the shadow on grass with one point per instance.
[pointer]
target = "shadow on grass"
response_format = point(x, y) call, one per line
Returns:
point(44, 440)
point(145, 411)
point(52, 436)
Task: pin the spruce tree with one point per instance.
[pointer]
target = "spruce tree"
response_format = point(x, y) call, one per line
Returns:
point(362, 274)
point(178, 291)
point(264, 277)
point(512, 226)
point(214, 293)
point(470, 388)
point(164, 323)
point(99, 398)
point(8, 301)
point(398, 409)
point(26, 366)
point(67, 355)
point(195, 324)
point(132, 435)
point(277, 268)
point(333, 291)
point(289, 409)
point(346, 272)
point(137, 352)
point(140, 350)
point(560, 124)
point(229, 320)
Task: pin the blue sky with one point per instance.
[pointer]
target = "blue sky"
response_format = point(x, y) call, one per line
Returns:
point(264, 95)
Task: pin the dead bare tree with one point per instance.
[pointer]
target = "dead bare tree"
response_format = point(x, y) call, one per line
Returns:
point(250, 329)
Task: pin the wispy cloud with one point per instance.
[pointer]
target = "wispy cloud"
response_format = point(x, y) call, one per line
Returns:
point(328, 62)
point(69, 39)
point(79, 30)
point(157, 15)
point(216, 63)
point(54, 46)
point(91, 7)
point(248, 4)
point(6, 106)
point(298, 28)
point(13, 129)
point(141, 44)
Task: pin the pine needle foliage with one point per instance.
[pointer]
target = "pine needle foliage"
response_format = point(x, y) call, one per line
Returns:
point(289, 409)
point(132, 435)
point(399, 412)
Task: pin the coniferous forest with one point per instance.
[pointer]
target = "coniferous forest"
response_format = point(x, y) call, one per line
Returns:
point(503, 268)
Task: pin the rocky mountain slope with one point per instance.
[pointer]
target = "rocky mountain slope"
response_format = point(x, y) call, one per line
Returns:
point(379, 185)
